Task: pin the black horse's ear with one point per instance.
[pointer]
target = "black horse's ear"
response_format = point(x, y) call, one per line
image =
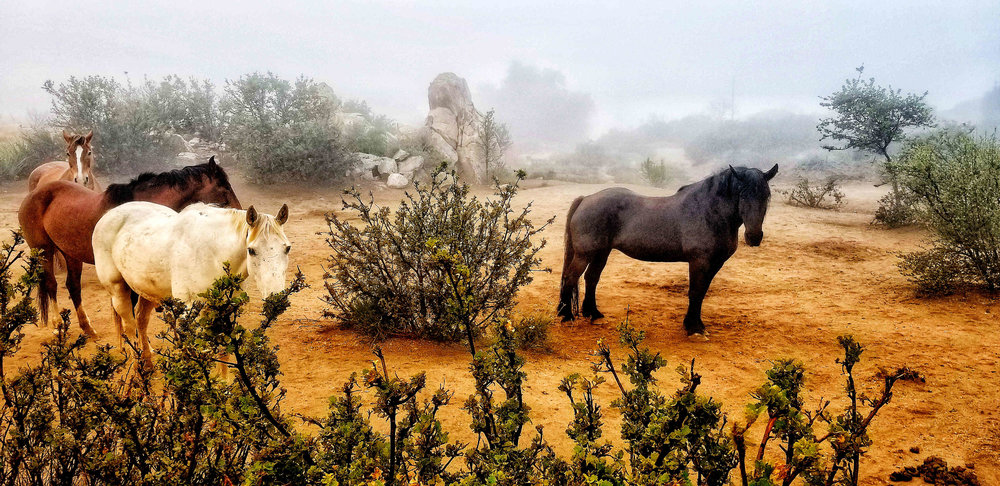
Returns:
point(771, 173)
point(737, 174)
point(251, 216)
point(211, 160)
point(282, 214)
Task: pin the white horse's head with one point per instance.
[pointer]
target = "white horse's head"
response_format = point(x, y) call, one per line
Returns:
point(267, 250)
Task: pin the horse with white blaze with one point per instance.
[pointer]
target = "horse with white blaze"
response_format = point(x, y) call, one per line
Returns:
point(158, 253)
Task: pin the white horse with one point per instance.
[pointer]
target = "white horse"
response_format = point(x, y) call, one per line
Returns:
point(158, 253)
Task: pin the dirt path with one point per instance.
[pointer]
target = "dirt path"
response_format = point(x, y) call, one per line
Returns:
point(818, 274)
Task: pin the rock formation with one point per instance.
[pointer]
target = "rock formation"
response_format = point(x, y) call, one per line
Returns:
point(452, 126)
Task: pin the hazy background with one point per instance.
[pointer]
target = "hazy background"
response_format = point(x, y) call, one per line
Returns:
point(558, 72)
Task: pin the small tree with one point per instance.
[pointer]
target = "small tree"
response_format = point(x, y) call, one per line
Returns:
point(955, 178)
point(870, 118)
point(494, 140)
point(444, 265)
point(816, 196)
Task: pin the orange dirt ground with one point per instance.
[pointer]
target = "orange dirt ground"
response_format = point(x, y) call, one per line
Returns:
point(817, 275)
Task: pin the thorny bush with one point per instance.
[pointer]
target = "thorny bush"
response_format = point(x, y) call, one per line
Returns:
point(444, 265)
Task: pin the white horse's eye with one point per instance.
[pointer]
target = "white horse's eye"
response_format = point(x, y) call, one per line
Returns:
point(252, 252)
point(288, 249)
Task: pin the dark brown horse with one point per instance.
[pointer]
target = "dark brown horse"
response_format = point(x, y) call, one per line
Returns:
point(699, 225)
point(60, 217)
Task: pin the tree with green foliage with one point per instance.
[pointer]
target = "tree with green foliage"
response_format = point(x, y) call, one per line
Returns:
point(870, 118)
point(955, 179)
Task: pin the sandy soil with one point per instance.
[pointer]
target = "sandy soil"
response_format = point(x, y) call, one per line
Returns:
point(818, 274)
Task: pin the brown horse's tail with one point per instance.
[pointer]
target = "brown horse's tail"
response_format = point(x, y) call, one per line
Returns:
point(568, 258)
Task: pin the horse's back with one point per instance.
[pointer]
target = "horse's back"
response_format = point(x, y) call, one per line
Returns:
point(48, 172)
point(130, 244)
point(642, 227)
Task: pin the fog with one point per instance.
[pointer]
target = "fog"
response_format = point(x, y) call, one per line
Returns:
point(559, 73)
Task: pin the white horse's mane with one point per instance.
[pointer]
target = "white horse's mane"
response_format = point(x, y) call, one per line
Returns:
point(266, 224)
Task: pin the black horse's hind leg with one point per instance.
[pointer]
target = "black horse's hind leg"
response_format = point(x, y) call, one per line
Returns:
point(570, 287)
point(589, 306)
point(701, 273)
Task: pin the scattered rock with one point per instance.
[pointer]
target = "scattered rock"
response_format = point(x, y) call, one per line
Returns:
point(401, 155)
point(194, 141)
point(397, 181)
point(935, 471)
point(387, 166)
point(411, 164)
point(915, 450)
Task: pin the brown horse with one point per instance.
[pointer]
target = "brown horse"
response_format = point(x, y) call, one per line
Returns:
point(77, 167)
point(60, 217)
point(698, 225)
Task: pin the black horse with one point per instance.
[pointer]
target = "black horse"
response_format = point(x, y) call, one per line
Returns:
point(699, 225)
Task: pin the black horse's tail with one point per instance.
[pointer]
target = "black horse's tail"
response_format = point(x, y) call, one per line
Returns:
point(568, 258)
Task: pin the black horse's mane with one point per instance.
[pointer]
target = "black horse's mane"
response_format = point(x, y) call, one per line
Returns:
point(725, 183)
point(178, 178)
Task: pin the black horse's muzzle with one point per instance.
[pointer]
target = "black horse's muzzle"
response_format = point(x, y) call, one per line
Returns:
point(753, 238)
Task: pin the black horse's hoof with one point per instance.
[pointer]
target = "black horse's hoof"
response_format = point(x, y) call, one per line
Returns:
point(592, 314)
point(698, 337)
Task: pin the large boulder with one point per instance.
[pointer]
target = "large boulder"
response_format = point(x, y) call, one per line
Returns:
point(411, 164)
point(452, 125)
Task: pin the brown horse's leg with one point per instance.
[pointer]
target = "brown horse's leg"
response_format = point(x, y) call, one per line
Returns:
point(142, 312)
point(593, 275)
point(73, 270)
point(701, 272)
point(570, 284)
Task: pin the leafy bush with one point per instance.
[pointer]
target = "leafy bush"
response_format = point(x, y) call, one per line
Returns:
point(443, 266)
point(818, 196)
point(376, 134)
point(32, 146)
point(654, 173)
point(280, 130)
point(190, 107)
point(955, 178)
point(129, 130)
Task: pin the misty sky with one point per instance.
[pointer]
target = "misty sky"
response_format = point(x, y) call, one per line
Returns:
point(626, 61)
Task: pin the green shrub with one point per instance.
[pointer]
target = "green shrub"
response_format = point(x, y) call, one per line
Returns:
point(818, 196)
point(190, 107)
point(955, 178)
point(280, 130)
point(33, 145)
point(654, 173)
point(443, 266)
point(377, 135)
point(129, 133)
point(531, 330)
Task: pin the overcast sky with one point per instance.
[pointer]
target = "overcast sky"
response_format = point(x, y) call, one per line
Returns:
point(633, 60)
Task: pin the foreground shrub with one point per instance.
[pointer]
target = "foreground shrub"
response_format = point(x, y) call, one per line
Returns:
point(129, 131)
point(444, 265)
point(955, 179)
point(826, 195)
point(283, 131)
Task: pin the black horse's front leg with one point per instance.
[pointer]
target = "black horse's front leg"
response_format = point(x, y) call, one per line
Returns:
point(592, 276)
point(701, 272)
